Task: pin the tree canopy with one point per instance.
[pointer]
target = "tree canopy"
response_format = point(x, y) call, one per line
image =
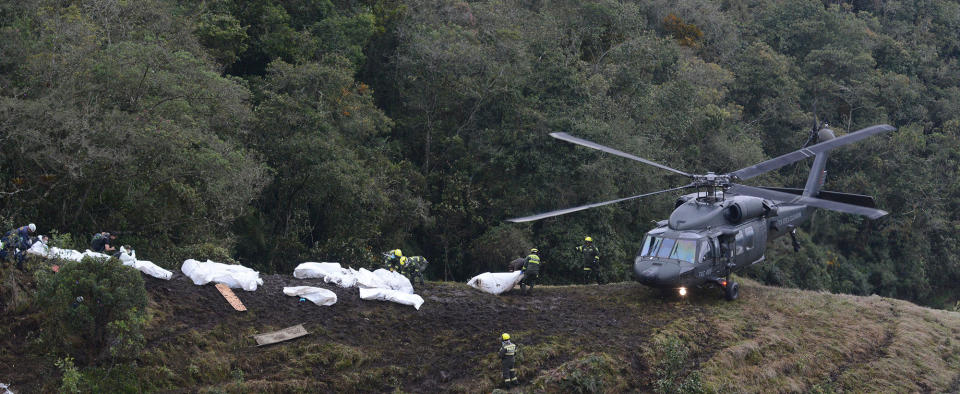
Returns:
point(309, 130)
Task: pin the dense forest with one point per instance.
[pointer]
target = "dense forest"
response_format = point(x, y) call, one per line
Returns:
point(273, 132)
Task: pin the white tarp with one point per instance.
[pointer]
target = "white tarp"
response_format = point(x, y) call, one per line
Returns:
point(496, 283)
point(329, 272)
point(128, 258)
point(383, 279)
point(382, 285)
point(234, 276)
point(391, 295)
point(147, 267)
point(5, 389)
point(322, 297)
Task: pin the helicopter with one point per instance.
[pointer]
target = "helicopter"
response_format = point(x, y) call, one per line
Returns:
point(724, 226)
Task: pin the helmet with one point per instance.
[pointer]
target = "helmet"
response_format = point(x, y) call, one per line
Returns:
point(534, 250)
point(397, 253)
point(588, 239)
point(505, 336)
point(33, 227)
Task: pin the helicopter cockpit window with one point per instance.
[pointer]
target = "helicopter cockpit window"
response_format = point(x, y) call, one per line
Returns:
point(650, 246)
point(686, 250)
point(666, 247)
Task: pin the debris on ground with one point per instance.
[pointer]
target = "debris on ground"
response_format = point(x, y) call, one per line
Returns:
point(285, 334)
point(496, 282)
point(316, 295)
point(234, 276)
point(230, 297)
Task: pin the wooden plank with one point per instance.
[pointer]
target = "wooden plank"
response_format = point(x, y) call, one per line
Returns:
point(285, 334)
point(231, 298)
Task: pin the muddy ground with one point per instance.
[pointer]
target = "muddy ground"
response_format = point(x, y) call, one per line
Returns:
point(449, 344)
point(456, 327)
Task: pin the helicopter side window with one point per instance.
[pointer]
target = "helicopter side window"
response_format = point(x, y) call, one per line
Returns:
point(666, 247)
point(706, 252)
point(686, 249)
point(738, 248)
point(748, 238)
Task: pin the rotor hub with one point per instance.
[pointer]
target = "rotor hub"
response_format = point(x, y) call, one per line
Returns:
point(711, 179)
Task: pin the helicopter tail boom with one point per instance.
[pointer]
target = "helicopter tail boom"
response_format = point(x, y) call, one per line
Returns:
point(818, 171)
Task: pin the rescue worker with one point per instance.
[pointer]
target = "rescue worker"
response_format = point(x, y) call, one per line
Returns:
point(591, 261)
point(507, 352)
point(516, 264)
point(16, 242)
point(531, 270)
point(101, 241)
point(395, 261)
point(413, 269)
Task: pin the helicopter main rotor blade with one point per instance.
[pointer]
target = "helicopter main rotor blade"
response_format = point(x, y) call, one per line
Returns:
point(797, 155)
point(788, 198)
point(589, 144)
point(588, 206)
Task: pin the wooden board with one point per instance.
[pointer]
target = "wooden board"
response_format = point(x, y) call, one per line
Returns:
point(231, 298)
point(285, 334)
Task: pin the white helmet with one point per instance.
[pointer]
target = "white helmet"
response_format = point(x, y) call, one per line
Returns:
point(33, 227)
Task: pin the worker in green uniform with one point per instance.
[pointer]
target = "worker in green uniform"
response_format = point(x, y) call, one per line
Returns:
point(394, 261)
point(414, 267)
point(507, 352)
point(531, 270)
point(591, 261)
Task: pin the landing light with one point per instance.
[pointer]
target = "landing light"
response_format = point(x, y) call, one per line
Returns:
point(683, 291)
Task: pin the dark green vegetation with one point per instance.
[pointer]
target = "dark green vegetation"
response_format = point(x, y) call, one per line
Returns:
point(615, 338)
point(274, 132)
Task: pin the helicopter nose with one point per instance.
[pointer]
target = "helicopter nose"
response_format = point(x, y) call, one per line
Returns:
point(656, 273)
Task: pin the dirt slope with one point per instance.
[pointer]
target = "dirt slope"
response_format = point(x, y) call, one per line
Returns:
point(614, 338)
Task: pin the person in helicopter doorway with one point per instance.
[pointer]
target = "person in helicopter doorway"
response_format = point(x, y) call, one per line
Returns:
point(591, 261)
point(531, 270)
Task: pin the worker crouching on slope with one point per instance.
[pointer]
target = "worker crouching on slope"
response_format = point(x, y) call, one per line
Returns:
point(395, 261)
point(414, 267)
point(507, 355)
point(103, 242)
point(591, 261)
point(531, 270)
point(16, 242)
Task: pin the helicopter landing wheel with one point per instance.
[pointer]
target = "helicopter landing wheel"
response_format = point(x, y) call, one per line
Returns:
point(732, 291)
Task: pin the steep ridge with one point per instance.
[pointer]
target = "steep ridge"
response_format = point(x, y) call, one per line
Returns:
point(617, 337)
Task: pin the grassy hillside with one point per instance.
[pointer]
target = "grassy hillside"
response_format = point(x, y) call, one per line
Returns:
point(613, 338)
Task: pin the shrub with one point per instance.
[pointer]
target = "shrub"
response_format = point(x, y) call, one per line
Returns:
point(173, 257)
point(670, 368)
point(593, 373)
point(94, 309)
